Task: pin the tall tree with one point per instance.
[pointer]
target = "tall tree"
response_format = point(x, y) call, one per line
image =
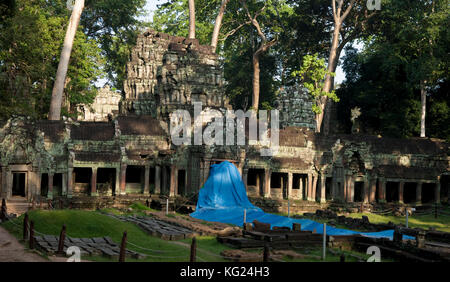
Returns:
point(58, 88)
point(264, 45)
point(191, 19)
point(218, 24)
point(27, 73)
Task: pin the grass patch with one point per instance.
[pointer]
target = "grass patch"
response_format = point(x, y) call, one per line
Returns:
point(89, 224)
point(442, 223)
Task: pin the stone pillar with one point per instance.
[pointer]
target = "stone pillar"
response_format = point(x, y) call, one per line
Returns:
point(147, 180)
point(334, 186)
point(94, 182)
point(70, 182)
point(314, 189)
point(164, 180)
point(157, 179)
point(245, 178)
point(382, 189)
point(50, 186)
point(323, 190)
point(301, 185)
point(351, 192)
point(290, 183)
point(117, 182)
point(173, 181)
point(366, 193)
point(123, 179)
point(419, 192)
point(64, 184)
point(401, 189)
point(309, 190)
point(267, 173)
point(437, 191)
point(373, 189)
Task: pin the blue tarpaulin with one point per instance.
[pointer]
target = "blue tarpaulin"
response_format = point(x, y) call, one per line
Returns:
point(223, 198)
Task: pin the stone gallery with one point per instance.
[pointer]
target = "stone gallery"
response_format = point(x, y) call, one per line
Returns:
point(121, 146)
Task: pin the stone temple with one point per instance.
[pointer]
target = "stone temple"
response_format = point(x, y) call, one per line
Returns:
point(122, 150)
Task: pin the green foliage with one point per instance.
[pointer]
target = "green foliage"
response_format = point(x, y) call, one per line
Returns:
point(411, 46)
point(173, 18)
point(30, 47)
point(312, 74)
point(113, 24)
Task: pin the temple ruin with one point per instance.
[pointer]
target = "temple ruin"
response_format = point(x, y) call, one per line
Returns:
point(131, 154)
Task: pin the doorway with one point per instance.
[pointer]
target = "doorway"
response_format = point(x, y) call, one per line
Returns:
point(18, 188)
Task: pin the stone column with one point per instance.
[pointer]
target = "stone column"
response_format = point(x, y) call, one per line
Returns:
point(382, 189)
point(334, 186)
point(9, 183)
point(245, 178)
point(50, 186)
point(437, 191)
point(419, 192)
point(267, 183)
point(157, 179)
point(70, 182)
point(147, 180)
point(301, 185)
point(117, 182)
point(290, 183)
point(373, 189)
point(366, 190)
point(401, 189)
point(123, 179)
point(94, 182)
point(164, 180)
point(310, 184)
point(351, 192)
point(314, 188)
point(3, 183)
point(323, 190)
point(64, 184)
point(173, 181)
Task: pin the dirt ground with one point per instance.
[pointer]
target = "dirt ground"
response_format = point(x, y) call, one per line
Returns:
point(12, 251)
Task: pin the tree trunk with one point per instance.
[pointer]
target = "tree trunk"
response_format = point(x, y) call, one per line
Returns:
point(58, 88)
point(218, 24)
point(329, 80)
point(191, 19)
point(423, 98)
point(256, 75)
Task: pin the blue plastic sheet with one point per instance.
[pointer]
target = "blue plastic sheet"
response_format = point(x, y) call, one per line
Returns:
point(223, 198)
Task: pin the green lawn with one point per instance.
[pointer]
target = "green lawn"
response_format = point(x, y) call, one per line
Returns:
point(441, 223)
point(89, 224)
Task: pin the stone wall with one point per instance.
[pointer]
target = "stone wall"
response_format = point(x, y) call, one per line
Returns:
point(104, 107)
point(295, 106)
point(167, 73)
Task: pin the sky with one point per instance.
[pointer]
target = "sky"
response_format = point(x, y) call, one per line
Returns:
point(151, 6)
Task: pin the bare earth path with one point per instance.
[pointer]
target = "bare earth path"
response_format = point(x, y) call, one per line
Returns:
point(12, 251)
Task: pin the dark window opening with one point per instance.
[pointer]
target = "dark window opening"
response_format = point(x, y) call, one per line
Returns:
point(44, 184)
point(18, 188)
point(134, 174)
point(82, 174)
point(57, 184)
point(181, 182)
point(358, 192)
point(445, 188)
point(409, 192)
point(328, 188)
point(392, 192)
point(428, 192)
